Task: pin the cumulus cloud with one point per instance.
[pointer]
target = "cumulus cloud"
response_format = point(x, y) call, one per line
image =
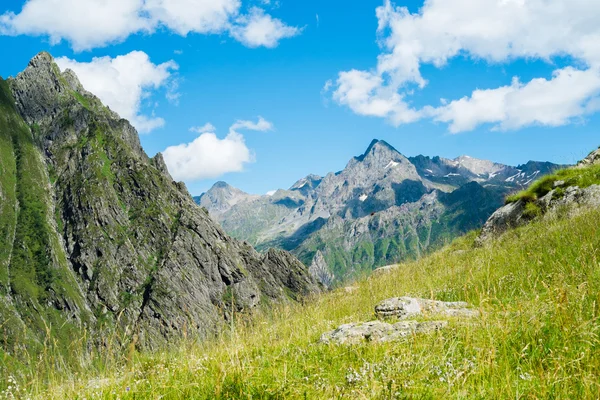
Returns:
point(262, 125)
point(200, 16)
point(123, 82)
point(259, 29)
point(490, 30)
point(210, 157)
point(95, 23)
point(86, 24)
point(569, 95)
point(208, 127)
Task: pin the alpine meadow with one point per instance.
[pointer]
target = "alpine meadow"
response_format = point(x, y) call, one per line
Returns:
point(260, 199)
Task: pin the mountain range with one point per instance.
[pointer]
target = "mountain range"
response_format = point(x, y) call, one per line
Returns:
point(382, 208)
point(98, 238)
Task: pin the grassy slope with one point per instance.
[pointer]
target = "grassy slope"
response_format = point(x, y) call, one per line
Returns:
point(37, 273)
point(8, 196)
point(539, 290)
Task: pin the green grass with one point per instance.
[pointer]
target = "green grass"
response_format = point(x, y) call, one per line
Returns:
point(8, 185)
point(582, 177)
point(538, 288)
point(82, 100)
point(34, 266)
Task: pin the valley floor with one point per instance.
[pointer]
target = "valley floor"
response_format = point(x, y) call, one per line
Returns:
point(537, 288)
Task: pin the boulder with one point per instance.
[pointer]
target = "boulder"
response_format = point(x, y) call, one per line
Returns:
point(385, 270)
point(507, 217)
point(379, 332)
point(410, 307)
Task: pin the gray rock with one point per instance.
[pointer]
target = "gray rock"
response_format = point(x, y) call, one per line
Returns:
point(509, 216)
point(559, 184)
point(134, 252)
point(320, 270)
point(571, 198)
point(592, 159)
point(379, 332)
point(386, 270)
point(410, 307)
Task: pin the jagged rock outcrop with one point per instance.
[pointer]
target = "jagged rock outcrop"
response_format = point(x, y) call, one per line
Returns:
point(100, 237)
point(320, 271)
point(592, 159)
point(507, 217)
point(553, 195)
point(515, 214)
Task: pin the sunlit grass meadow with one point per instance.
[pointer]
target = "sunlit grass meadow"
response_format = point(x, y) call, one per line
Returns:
point(538, 289)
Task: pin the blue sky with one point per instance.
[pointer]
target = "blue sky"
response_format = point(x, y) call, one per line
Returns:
point(220, 77)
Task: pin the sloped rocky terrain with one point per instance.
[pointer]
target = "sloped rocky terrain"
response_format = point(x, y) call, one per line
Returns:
point(382, 208)
point(570, 190)
point(98, 238)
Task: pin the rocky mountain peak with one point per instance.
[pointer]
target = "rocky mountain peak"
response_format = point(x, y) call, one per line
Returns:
point(101, 235)
point(377, 148)
point(306, 185)
point(221, 185)
point(477, 166)
point(41, 60)
point(37, 88)
point(384, 160)
point(222, 196)
point(58, 106)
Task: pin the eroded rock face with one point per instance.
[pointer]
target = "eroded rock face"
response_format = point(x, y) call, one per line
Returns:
point(410, 307)
point(505, 218)
point(134, 250)
point(320, 271)
point(573, 196)
point(513, 215)
point(379, 332)
point(592, 159)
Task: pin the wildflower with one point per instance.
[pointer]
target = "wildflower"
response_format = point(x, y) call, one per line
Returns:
point(525, 376)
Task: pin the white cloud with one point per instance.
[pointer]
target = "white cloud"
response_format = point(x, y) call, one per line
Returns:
point(173, 94)
point(200, 16)
point(210, 157)
point(490, 30)
point(366, 94)
point(123, 82)
point(259, 29)
point(567, 96)
point(95, 23)
point(207, 157)
point(262, 125)
point(208, 127)
point(86, 24)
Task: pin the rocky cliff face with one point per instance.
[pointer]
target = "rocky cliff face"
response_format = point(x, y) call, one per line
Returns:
point(381, 208)
point(567, 192)
point(98, 235)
